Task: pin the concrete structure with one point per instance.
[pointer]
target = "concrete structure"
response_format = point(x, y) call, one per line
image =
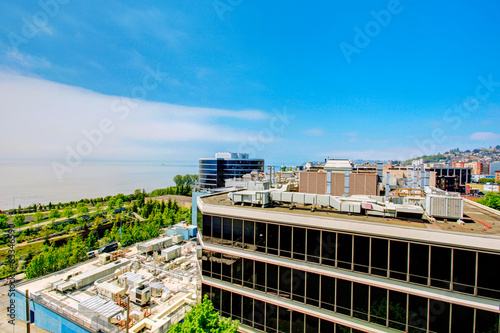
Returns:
point(98, 303)
point(214, 171)
point(478, 168)
point(313, 182)
point(494, 166)
point(452, 179)
point(483, 187)
point(324, 271)
point(497, 175)
point(186, 231)
point(176, 238)
point(154, 245)
point(171, 253)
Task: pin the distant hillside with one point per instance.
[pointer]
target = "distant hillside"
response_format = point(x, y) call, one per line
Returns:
point(456, 154)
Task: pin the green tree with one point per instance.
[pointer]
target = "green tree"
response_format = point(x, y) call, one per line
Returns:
point(119, 203)
point(67, 212)
point(98, 207)
point(19, 220)
point(111, 204)
point(54, 214)
point(3, 221)
point(203, 318)
point(82, 209)
point(38, 217)
point(491, 199)
point(178, 180)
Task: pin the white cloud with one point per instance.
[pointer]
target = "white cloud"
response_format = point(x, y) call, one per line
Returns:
point(313, 132)
point(25, 60)
point(484, 136)
point(43, 119)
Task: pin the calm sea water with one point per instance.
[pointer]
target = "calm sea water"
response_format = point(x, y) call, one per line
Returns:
point(27, 183)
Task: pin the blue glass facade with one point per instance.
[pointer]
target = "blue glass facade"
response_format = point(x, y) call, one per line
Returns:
point(214, 171)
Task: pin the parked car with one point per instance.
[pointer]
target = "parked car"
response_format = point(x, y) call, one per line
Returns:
point(91, 254)
point(109, 247)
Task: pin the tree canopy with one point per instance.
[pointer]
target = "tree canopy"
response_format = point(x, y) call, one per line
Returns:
point(491, 199)
point(203, 318)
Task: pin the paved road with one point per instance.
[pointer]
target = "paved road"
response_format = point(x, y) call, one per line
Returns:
point(20, 326)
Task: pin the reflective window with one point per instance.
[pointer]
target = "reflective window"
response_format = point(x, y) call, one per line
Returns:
point(360, 296)
point(272, 279)
point(236, 306)
point(285, 282)
point(227, 230)
point(238, 233)
point(216, 229)
point(397, 310)
point(439, 316)
point(298, 285)
point(259, 314)
point(260, 236)
point(312, 289)
point(361, 254)
point(328, 293)
point(417, 314)
point(313, 245)
point(344, 255)
point(248, 231)
point(379, 256)
point(328, 248)
point(284, 323)
point(464, 271)
point(297, 322)
point(271, 317)
point(299, 243)
point(487, 275)
point(285, 241)
point(398, 260)
point(343, 296)
point(419, 263)
point(440, 267)
point(272, 238)
point(378, 306)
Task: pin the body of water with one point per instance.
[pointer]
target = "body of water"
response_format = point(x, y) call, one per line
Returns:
point(28, 183)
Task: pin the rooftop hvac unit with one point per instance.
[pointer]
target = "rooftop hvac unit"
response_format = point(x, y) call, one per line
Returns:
point(140, 295)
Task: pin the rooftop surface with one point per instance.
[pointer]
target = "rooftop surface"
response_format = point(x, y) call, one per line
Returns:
point(473, 217)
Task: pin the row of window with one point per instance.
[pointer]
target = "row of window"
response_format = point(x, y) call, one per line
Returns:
point(400, 311)
point(463, 271)
point(268, 317)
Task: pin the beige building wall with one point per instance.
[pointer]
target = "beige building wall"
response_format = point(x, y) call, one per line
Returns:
point(363, 183)
point(312, 182)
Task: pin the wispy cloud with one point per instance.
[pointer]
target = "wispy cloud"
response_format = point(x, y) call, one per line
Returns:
point(42, 119)
point(484, 136)
point(313, 132)
point(351, 136)
point(24, 60)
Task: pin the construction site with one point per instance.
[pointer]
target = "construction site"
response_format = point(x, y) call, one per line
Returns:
point(145, 288)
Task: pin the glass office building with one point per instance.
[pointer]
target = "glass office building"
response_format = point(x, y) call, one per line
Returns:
point(214, 171)
point(277, 270)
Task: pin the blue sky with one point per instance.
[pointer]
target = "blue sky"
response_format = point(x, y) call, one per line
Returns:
point(286, 81)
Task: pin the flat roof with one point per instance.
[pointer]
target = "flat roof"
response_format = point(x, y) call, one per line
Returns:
point(478, 221)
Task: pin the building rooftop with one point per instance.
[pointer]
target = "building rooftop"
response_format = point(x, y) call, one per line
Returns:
point(477, 221)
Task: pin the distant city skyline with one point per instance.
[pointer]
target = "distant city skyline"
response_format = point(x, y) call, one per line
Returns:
point(374, 80)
